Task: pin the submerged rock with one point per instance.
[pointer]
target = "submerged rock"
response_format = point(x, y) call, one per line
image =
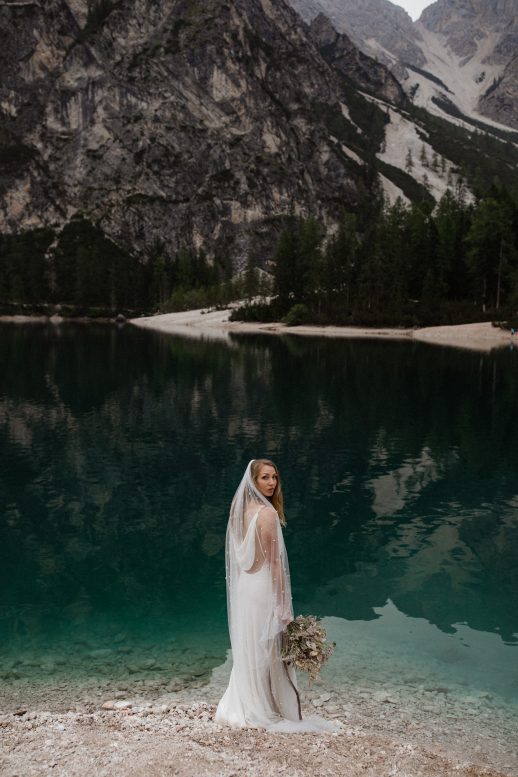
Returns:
point(100, 653)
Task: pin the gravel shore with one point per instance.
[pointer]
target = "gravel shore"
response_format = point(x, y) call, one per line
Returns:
point(182, 739)
point(176, 743)
point(95, 728)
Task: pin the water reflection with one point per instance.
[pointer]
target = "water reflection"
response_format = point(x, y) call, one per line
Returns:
point(120, 450)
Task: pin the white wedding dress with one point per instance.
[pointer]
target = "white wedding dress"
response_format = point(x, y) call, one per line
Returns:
point(262, 691)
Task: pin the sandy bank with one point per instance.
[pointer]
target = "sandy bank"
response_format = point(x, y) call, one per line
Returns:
point(216, 325)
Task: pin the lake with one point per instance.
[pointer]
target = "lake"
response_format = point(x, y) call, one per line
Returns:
point(121, 448)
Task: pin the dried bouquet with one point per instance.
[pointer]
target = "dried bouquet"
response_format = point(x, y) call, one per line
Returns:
point(304, 645)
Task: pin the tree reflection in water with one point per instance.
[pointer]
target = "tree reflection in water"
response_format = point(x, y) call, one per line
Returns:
point(120, 450)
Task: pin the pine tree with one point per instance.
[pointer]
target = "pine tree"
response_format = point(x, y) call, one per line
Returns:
point(452, 220)
point(251, 279)
point(492, 253)
point(286, 265)
point(160, 280)
point(310, 281)
point(340, 265)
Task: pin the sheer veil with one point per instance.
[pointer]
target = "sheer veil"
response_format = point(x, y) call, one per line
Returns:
point(248, 549)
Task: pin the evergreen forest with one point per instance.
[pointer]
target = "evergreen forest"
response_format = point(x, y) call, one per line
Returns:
point(399, 265)
point(384, 265)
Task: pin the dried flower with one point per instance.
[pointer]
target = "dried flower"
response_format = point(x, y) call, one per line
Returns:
point(304, 645)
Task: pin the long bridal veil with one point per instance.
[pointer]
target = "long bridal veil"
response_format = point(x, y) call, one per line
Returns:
point(262, 690)
point(247, 551)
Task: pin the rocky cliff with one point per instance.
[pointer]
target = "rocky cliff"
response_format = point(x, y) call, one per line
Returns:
point(377, 27)
point(483, 35)
point(500, 101)
point(339, 50)
point(192, 122)
point(458, 59)
point(464, 23)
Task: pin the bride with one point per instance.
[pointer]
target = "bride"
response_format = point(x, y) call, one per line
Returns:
point(262, 691)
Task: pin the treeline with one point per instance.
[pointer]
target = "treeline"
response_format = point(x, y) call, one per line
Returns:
point(400, 265)
point(80, 268)
point(87, 273)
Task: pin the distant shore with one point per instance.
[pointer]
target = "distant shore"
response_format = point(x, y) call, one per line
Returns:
point(216, 325)
point(19, 318)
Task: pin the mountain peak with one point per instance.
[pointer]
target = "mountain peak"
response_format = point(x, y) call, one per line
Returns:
point(458, 60)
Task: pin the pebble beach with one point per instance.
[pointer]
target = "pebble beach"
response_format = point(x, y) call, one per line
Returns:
point(157, 721)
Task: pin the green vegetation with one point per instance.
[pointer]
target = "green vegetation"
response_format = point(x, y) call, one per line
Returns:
point(88, 274)
point(23, 267)
point(384, 265)
point(449, 107)
point(80, 267)
point(404, 266)
point(297, 315)
point(428, 75)
point(481, 158)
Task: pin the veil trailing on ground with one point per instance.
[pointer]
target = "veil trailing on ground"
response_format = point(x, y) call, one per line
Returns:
point(254, 540)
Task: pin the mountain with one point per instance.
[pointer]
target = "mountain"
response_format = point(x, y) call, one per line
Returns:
point(205, 125)
point(499, 101)
point(378, 27)
point(339, 50)
point(459, 60)
point(188, 123)
point(477, 58)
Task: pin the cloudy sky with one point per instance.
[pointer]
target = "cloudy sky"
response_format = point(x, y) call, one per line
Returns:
point(414, 7)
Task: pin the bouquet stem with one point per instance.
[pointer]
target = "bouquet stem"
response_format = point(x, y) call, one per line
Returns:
point(286, 664)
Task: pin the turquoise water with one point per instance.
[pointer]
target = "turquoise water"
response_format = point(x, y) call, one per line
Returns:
point(120, 450)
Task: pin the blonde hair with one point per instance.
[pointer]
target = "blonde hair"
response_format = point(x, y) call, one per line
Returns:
point(276, 498)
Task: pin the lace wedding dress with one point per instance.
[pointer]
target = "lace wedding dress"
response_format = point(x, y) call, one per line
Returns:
point(262, 691)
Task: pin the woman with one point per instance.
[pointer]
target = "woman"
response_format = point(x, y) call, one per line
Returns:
point(262, 692)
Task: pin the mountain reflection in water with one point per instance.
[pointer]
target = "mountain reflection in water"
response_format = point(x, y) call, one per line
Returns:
point(120, 450)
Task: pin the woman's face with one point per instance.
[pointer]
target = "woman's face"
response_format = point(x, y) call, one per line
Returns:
point(267, 480)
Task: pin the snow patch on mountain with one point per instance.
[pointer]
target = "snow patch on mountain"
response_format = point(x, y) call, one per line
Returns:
point(408, 150)
point(393, 192)
point(465, 80)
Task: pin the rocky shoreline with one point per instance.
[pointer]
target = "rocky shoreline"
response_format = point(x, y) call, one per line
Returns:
point(184, 741)
point(180, 738)
point(164, 726)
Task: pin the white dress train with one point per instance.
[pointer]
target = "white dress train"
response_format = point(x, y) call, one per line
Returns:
point(262, 690)
point(259, 692)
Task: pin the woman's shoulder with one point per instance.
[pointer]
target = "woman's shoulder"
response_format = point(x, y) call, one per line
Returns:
point(267, 515)
point(260, 509)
